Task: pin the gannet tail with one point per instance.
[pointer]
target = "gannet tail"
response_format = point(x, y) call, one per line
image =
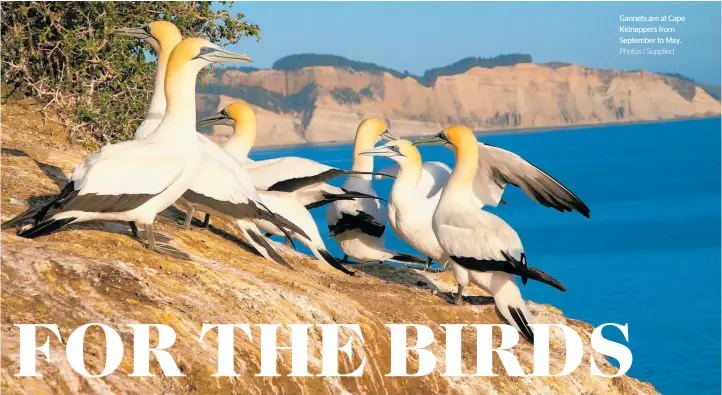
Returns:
point(406, 258)
point(324, 255)
point(514, 309)
point(46, 227)
point(260, 243)
point(36, 214)
point(538, 275)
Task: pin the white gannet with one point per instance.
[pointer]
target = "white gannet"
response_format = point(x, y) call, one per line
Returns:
point(414, 195)
point(135, 180)
point(359, 224)
point(162, 36)
point(482, 248)
point(303, 178)
point(284, 203)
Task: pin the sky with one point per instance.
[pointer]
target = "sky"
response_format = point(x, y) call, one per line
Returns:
point(416, 36)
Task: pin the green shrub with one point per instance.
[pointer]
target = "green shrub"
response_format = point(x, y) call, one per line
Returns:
point(63, 54)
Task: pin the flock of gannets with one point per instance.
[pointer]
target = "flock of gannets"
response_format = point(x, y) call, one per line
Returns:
point(435, 209)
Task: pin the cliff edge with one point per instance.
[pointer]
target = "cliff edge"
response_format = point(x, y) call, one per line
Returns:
point(98, 273)
point(325, 104)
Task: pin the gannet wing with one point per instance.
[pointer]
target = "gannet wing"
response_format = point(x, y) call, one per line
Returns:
point(498, 167)
point(482, 249)
point(290, 173)
point(360, 214)
point(123, 178)
point(433, 178)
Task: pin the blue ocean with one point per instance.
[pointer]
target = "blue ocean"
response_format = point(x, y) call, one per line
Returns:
point(650, 254)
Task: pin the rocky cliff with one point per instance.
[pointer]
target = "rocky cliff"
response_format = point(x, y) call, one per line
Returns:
point(98, 273)
point(325, 104)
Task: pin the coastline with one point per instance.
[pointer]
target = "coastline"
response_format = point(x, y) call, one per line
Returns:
point(501, 132)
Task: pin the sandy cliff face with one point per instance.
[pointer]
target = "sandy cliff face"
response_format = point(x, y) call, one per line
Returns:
point(322, 104)
point(97, 273)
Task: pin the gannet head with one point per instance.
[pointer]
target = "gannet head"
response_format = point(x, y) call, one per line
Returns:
point(197, 53)
point(456, 136)
point(398, 150)
point(232, 114)
point(159, 34)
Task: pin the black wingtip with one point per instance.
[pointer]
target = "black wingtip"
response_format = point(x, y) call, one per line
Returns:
point(518, 315)
point(263, 242)
point(334, 262)
point(408, 258)
point(22, 217)
point(539, 275)
point(46, 227)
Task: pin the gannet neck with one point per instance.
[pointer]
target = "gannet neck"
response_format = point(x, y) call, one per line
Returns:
point(180, 94)
point(367, 134)
point(244, 133)
point(165, 38)
point(409, 167)
point(467, 155)
point(157, 101)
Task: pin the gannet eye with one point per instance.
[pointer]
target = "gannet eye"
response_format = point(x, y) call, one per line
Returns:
point(147, 29)
point(225, 113)
point(205, 50)
point(395, 148)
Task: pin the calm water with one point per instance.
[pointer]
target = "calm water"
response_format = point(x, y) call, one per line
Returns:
point(650, 254)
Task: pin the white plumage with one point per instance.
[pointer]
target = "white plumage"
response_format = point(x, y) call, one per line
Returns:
point(482, 248)
point(359, 224)
point(133, 181)
point(414, 195)
point(286, 185)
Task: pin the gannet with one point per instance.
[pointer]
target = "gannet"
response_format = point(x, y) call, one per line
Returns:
point(162, 36)
point(135, 180)
point(359, 224)
point(482, 248)
point(287, 203)
point(414, 195)
point(303, 178)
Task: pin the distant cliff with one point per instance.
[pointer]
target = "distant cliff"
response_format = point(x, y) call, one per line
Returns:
point(326, 103)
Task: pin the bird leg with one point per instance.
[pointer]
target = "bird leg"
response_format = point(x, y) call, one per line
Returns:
point(207, 221)
point(457, 299)
point(141, 236)
point(189, 218)
point(134, 229)
point(429, 260)
point(163, 249)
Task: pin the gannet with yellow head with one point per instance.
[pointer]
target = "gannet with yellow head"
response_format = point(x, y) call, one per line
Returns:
point(482, 248)
point(135, 180)
point(162, 36)
point(359, 224)
point(304, 179)
point(414, 195)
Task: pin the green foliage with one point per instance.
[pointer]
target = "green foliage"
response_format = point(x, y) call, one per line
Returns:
point(64, 54)
point(465, 64)
point(296, 62)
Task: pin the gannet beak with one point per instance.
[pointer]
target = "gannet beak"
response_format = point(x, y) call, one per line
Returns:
point(141, 32)
point(387, 136)
point(217, 55)
point(219, 118)
point(387, 151)
point(437, 139)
